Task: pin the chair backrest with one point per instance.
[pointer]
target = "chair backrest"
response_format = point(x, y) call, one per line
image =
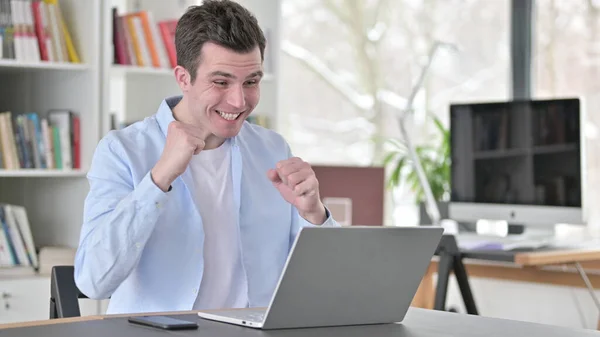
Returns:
point(64, 294)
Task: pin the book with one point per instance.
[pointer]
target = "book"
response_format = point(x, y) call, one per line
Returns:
point(139, 40)
point(40, 141)
point(17, 246)
point(35, 31)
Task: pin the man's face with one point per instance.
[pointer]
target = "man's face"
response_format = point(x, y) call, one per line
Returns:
point(226, 89)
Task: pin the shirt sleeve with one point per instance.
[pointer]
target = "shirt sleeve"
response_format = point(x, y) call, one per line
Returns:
point(118, 221)
point(299, 222)
point(329, 221)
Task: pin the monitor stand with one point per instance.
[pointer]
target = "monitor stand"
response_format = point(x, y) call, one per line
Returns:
point(503, 228)
point(515, 229)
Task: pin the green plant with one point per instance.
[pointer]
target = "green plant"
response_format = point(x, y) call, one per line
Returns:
point(435, 159)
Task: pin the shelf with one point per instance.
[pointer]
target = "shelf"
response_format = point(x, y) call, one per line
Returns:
point(42, 173)
point(495, 154)
point(536, 150)
point(555, 148)
point(17, 272)
point(119, 69)
point(13, 65)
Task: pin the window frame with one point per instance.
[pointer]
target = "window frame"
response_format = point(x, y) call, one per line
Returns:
point(521, 48)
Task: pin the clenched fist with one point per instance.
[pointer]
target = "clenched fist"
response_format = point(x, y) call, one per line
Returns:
point(183, 141)
point(298, 185)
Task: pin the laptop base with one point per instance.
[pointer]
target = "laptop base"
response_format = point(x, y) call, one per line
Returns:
point(246, 317)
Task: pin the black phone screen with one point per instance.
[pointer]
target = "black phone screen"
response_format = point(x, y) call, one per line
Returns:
point(163, 322)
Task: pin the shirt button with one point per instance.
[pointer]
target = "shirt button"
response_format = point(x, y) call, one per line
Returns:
point(195, 291)
point(138, 246)
point(157, 204)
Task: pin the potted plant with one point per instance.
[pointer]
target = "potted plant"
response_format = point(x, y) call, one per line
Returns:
point(435, 160)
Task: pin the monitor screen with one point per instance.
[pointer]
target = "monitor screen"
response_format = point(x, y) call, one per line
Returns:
point(517, 152)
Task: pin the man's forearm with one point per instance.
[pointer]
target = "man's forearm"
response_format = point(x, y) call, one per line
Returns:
point(114, 241)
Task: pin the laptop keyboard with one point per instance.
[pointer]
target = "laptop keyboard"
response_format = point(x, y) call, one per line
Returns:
point(247, 314)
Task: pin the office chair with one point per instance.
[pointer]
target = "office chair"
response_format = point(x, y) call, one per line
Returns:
point(64, 294)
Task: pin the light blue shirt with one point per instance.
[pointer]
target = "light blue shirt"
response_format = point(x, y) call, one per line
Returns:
point(143, 247)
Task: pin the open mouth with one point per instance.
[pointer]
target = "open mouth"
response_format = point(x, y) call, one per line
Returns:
point(229, 116)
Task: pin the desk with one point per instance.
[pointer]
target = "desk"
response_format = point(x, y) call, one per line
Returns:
point(418, 323)
point(547, 266)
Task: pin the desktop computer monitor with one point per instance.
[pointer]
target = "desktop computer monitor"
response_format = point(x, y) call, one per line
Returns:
point(516, 161)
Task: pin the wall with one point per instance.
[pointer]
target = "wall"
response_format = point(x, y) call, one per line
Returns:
point(364, 186)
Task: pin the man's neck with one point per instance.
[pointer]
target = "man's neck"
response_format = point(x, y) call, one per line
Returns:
point(213, 142)
point(181, 114)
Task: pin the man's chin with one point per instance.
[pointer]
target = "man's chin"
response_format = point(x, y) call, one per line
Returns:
point(227, 129)
point(229, 132)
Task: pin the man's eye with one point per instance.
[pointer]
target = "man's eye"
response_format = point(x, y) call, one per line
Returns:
point(251, 83)
point(220, 83)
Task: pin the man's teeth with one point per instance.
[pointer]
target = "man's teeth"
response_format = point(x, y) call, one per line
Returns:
point(228, 116)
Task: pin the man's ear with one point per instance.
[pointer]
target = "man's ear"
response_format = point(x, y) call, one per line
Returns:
point(182, 76)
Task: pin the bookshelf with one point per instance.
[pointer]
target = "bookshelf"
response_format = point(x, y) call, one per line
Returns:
point(94, 90)
point(126, 86)
point(54, 206)
point(52, 197)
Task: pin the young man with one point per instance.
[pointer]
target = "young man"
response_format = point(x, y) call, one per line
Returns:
point(195, 208)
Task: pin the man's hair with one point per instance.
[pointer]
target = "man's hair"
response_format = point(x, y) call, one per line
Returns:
point(223, 22)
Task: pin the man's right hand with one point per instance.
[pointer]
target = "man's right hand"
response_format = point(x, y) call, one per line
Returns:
point(183, 141)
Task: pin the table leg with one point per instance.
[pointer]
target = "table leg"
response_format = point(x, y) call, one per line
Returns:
point(589, 287)
point(465, 289)
point(445, 266)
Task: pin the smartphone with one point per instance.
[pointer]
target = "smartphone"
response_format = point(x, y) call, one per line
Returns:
point(163, 322)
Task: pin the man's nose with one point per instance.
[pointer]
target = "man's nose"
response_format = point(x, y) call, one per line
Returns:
point(236, 97)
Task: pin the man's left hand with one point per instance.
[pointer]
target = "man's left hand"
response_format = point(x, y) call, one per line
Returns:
point(298, 185)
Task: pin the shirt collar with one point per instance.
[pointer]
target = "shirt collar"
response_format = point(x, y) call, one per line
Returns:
point(164, 115)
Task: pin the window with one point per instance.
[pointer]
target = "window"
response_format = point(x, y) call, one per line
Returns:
point(566, 63)
point(348, 67)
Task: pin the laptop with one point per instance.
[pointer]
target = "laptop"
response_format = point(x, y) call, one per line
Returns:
point(337, 276)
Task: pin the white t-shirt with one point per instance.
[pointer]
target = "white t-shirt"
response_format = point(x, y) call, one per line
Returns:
point(223, 284)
